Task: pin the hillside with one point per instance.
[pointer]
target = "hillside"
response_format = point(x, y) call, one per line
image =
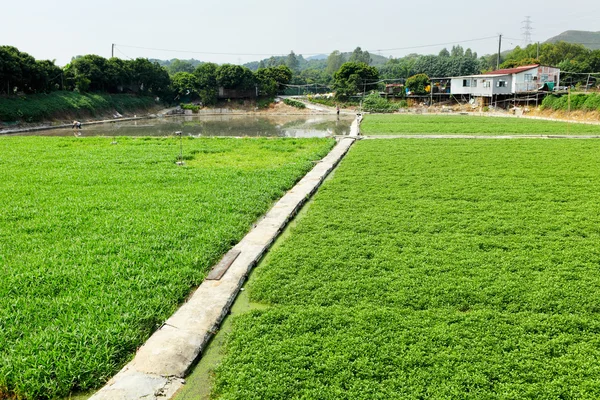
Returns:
point(591, 40)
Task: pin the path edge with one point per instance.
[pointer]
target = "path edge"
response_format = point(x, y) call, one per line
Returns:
point(160, 365)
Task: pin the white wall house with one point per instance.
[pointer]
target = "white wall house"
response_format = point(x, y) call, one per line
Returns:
point(529, 78)
point(481, 85)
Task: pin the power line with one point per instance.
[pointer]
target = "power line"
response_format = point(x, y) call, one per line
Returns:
point(122, 52)
point(438, 44)
point(307, 54)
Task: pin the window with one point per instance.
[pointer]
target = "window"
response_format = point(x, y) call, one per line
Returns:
point(486, 84)
point(474, 82)
point(528, 77)
point(466, 83)
point(544, 78)
point(501, 84)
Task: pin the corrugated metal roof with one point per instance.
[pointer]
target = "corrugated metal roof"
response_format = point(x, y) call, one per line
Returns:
point(488, 75)
point(515, 70)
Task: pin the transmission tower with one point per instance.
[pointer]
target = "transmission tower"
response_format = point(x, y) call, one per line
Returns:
point(526, 28)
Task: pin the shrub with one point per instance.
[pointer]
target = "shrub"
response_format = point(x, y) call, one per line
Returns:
point(264, 102)
point(294, 103)
point(192, 107)
point(375, 103)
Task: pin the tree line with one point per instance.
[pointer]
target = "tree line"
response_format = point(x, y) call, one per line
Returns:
point(22, 73)
point(346, 73)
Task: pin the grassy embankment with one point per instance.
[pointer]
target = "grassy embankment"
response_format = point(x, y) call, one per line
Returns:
point(471, 125)
point(446, 269)
point(101, 243)
point(66, 105)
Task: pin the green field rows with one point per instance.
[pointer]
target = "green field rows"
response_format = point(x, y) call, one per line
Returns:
point(100, 243)
point(471, 125)
point(446, 269)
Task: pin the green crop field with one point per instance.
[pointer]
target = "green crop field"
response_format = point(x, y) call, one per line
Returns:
point(100, 243)
point(432, 269)
point(471, 125)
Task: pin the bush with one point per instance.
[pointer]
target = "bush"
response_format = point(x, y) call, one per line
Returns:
point(580, 101)
point(264, 102)
point(375, 103)
point(331, 102)
point(192, 107)
point(294, 103)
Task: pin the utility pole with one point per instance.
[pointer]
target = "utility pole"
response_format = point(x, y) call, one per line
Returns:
point(499, 50)
point(112, 51)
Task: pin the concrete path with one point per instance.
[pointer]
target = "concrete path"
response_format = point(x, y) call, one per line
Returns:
point(159, 366)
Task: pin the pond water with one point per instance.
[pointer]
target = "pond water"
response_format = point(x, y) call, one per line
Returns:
point(220, 125)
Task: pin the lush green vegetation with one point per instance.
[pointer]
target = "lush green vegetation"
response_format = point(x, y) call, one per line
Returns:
point(101, 243)
point(579, 101)
point(332, 102)
point(464, 124)
point(377, 104)
point(39, 107)
point(465, 270)
point(294, 103)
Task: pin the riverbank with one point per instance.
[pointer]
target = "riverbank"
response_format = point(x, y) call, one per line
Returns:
point(59, 108)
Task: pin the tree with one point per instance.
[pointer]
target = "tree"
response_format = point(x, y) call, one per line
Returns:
point(88, 73)
point(398, 68)
point(457, 51)
point(444, 53)
point(352, 78)
point(234, 77)
point(417, 83)
point(359, 56)
point(272, 79)
point(180, 66)
point(185, 84)
point(334, 62)
point(150, 77)
point(292, 62)
point(208, 88)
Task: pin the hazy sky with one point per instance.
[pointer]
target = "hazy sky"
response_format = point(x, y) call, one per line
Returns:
point(252, 30)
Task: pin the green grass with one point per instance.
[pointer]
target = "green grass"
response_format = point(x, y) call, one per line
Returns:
point(40, 107)
point(472, 125)
point(446, 269)
point(101, 243)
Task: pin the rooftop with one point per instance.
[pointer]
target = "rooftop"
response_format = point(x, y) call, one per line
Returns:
point(516, 70)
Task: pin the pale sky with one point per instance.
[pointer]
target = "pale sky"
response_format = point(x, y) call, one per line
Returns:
point(252, 30)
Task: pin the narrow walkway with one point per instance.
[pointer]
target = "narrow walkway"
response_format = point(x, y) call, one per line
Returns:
point(159, 366)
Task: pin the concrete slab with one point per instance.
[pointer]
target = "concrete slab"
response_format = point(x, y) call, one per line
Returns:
point(167, 356)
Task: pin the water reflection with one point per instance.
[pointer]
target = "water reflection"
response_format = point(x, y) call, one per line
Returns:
point(220, 125)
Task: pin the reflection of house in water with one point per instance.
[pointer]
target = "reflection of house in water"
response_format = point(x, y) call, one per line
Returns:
point(499, 85)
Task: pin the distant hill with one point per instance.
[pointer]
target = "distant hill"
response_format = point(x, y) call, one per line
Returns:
point(317, 57)
point(591, 40)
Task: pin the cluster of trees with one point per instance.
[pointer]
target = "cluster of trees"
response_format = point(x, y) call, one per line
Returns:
point(574, 60)
point(20, 71)
point(91, 73)
point(455, 62)
point(205, 80)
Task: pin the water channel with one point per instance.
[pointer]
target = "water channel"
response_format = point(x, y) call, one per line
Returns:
point(297, 126)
